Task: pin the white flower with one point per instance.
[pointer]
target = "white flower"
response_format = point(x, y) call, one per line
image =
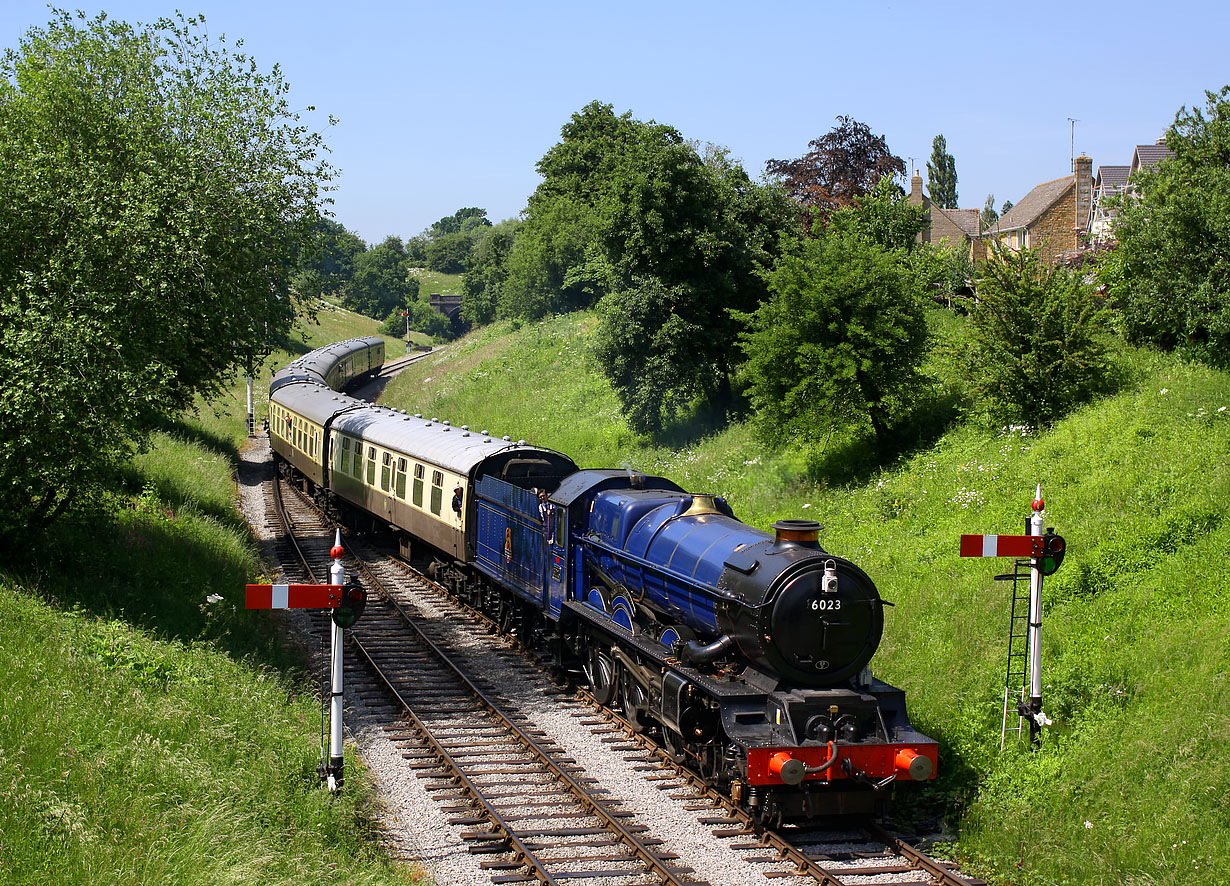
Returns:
point(213, 598)
point(1164, 391)
point(1088, 825)
point(808, 505)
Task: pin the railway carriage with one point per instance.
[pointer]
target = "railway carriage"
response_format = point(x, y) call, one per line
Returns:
point(746, 653)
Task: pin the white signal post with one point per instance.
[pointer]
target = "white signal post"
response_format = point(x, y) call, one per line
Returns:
point(334, 769)
point(1045, 551)
point(1037, 719)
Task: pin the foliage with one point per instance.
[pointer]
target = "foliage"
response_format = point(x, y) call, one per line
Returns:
point(842, 165)
point(326, 261)
point(1003, 210)
point(942, 175)
point(487, 270)
point(155, 186)
point(1171, 271)
point(381, 282)
point(631, 211)
point(988, 217)
point(422, 317)
point(1034, 354)
point(651, 352)
point(839, 341)
point(883, 216)
point(463, 221)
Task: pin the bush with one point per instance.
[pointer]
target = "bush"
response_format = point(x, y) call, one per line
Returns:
point(1034, 354)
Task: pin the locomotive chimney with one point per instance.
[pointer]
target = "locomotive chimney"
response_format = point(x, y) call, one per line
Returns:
point(805, 533)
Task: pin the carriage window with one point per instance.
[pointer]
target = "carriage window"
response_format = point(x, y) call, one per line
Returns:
point(437, 491)
point(371, 466)
point(400, 485)
point(417, 496)
point(386, 469)
point(346, 454)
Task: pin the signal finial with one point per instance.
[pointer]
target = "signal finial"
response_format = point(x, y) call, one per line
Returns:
point(1038, 504)
point(337, 550)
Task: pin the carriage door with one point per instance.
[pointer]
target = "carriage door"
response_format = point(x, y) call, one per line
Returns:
point(557, 563)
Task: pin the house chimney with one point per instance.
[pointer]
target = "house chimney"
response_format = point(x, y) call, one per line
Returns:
point(1084, 193)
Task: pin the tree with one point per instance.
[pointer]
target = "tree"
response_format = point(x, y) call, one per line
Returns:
point(989, 216)
point(381, 281)
point(1171, 270)
point(942, 175)
point(629, 212)
point(644, 342)
point(839, 341)
point(460, 222)
point(488, 268)
point(155, 187)
point(1033, 353)
point(1003, 210)
point(884, 216)
point(449, 253)
point(842, 165)
point(326, 261)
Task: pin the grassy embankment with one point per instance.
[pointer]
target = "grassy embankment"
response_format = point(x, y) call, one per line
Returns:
point(1132, 781)
point(149, 735)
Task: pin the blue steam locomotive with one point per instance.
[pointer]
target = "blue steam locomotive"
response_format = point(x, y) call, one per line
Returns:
point(745, 653)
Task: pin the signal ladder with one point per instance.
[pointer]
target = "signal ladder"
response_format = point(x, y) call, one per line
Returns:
point(1016, 682)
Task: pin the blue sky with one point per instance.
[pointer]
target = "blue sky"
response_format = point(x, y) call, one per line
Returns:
point(444, 105)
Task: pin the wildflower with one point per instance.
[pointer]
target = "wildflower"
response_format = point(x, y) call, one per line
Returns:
point(213, 598)
point(1164, 391)
point(807, 505)
point(1088, 825)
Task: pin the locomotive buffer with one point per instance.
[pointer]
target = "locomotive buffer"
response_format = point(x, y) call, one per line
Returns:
point(1045, 553)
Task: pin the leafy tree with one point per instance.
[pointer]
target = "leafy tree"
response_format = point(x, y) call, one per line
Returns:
point(1003, 210)
point(839, 341)
point(1171, 269)
point(842, 165)
point(884, 216)
point(942, 175)
point(155, 187)
point(381, 282)
point(488, 268)
point(989, 216)
point(460, 222)
point(326, 261)
point(1034, 354)
point(643, 342)
point(449, 253)
point(631, 211)
point(423, 318)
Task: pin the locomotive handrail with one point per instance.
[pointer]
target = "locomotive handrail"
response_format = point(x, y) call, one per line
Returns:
point(679, 576)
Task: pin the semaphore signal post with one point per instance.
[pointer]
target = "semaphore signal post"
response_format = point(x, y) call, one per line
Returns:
point(347, 602)
point(1040, 553)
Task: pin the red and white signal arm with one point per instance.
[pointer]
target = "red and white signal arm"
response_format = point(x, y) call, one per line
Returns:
point(1002, 545)
point(293, 596)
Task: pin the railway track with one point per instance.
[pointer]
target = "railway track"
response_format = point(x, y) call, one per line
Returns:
point(456, 705)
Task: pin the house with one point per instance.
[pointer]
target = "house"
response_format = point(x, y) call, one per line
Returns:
point(1115, 181)
point(961, 228)
point(1052, 218)
point(1110, 182)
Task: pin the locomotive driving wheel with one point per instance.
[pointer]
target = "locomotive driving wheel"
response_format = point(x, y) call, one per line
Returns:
point(599, 669)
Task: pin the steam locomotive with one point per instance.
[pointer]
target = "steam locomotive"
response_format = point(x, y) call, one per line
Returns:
point(745, 653)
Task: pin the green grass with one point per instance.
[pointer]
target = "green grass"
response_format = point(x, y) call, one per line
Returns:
point(1131, 782)
point(151, 733)
point(434, 282)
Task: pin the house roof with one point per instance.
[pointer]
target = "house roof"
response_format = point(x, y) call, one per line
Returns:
point(1033, 204)
point(968, 220)
point(1112, 178)
point(1146, 155)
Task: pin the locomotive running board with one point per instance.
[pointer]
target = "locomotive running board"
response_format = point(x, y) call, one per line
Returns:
point(726, 690)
